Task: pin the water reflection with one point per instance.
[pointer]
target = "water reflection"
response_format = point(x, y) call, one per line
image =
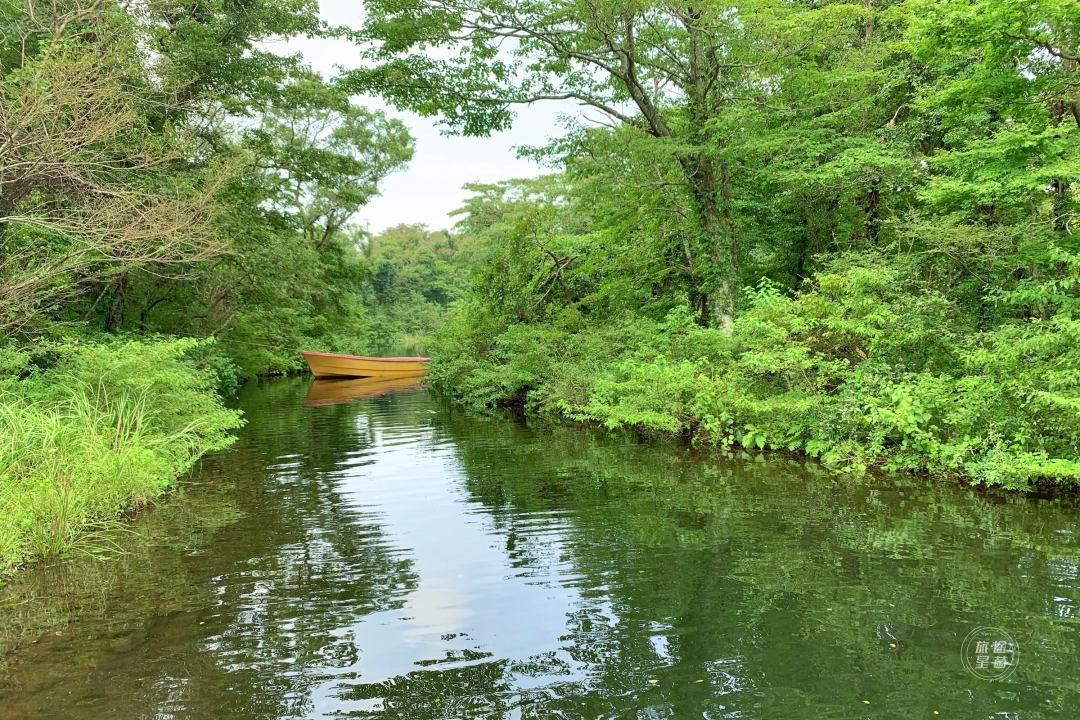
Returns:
point(398, 558)
point(334, 392)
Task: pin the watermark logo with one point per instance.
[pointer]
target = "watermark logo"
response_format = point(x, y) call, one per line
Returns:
point(990, 653)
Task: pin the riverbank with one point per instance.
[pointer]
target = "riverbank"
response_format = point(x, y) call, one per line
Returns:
point(858, 370)
point(91, 431)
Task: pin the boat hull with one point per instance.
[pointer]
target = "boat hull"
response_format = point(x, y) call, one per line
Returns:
point(332, 365)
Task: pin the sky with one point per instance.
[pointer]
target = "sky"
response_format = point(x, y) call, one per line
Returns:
point(432, 185)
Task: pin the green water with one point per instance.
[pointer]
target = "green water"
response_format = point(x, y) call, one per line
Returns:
point(399, 558)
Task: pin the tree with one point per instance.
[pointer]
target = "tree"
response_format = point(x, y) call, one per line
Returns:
point(294, 275)
point(85, 192)
point(162, 172)
point(323, 158)
point(681, 76)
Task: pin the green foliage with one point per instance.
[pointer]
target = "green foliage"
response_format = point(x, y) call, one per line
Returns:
point(697, 96)
point(106, 428)
point(862, 367)
point(894, 188)
point(204, 188)
point(294, 275)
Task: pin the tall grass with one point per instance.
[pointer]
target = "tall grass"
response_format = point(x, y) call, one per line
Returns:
point(107, 429)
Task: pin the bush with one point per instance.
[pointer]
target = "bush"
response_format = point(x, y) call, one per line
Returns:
point(864, 366)
point(106, 428)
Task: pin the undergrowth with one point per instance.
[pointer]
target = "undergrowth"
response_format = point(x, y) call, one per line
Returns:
point(102, 429)
point(865, 366)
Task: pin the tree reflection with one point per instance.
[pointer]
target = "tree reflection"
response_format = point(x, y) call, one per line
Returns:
point(779, 585)
point(694, 585)
point(257, 608)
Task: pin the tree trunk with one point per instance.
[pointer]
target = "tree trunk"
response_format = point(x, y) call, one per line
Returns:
point(114, 319)
point(712, 197)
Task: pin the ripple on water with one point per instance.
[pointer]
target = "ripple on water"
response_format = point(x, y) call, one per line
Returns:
point(397, 557)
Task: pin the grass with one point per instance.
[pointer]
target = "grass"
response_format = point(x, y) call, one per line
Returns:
point(108, 428)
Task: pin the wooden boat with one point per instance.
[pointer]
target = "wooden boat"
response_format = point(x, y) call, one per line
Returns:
point(333, 391)
point(331, 365)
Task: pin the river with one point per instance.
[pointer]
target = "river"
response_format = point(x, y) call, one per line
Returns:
point(398, 557)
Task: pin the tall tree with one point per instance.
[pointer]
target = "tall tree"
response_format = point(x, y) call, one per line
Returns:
point(322, 157)
point(680, 75)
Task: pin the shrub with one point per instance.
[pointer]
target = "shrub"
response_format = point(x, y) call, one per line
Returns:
point(864, 366)
point(106, 428)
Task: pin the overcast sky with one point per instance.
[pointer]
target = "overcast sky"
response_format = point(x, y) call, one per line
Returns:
point(431, 186)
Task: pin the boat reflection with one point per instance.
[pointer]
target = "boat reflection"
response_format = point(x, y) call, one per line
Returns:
point(331, 392)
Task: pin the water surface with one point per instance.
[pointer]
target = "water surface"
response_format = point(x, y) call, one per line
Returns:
point(395, 557)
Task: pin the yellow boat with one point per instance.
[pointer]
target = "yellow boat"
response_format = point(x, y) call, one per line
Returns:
point(331, 392)
point(331, 365)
